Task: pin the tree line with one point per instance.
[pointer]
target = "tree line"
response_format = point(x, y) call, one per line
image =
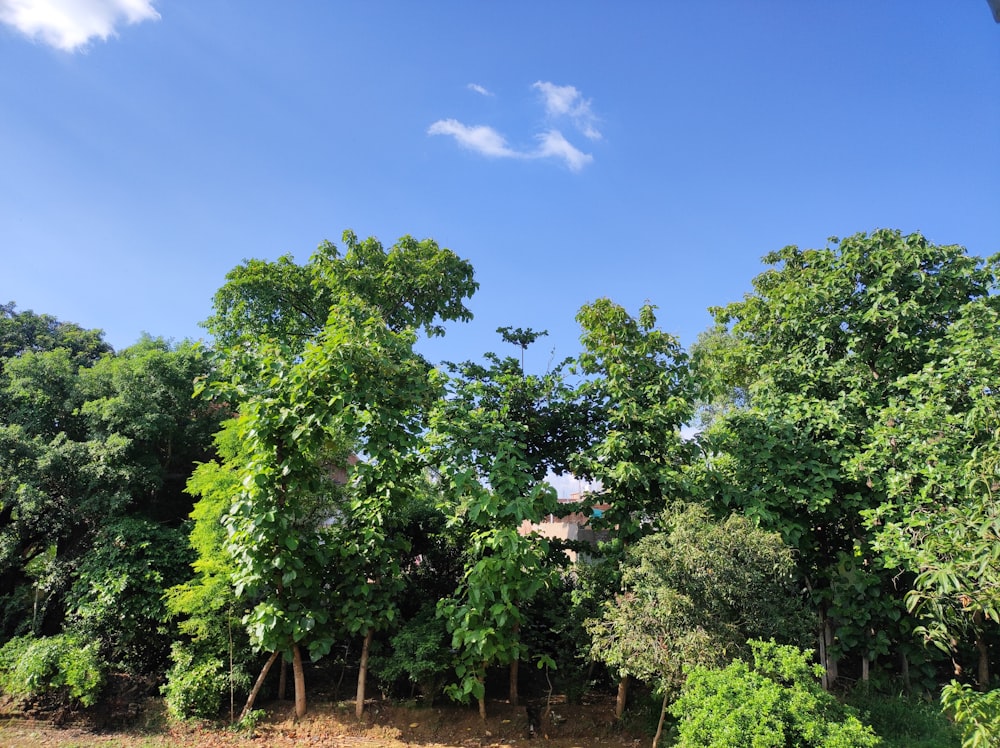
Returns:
point(310, 487)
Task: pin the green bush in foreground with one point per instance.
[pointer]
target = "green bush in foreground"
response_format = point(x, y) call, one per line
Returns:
point(775, 703)
point(976, 714)
point(60, 665)
point(194, 688)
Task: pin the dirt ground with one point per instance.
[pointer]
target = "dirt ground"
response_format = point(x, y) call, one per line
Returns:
point(332, 724)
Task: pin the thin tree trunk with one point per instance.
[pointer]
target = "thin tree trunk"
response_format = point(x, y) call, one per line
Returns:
point(622, 697)
point(824, 680)
point(865, 664)
point(663, 715)
point(482, 699)
point(359, 702)
point(232, 682)
point(983, 675)
point(343, 672)
point(257, 685)
point(548, 705)
point(34, 610)
point(514, 664)
point(282, 680)
point(300, 682)
point(904, 671)
point(831, 661)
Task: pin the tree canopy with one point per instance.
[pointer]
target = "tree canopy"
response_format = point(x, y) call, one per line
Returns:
point(821, 467)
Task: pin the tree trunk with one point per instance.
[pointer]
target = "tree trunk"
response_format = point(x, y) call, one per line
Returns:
point(514, 664)
point(232, 682)
point(622, 697)
point(343, 672)
point(256, 686)
point(663, 715)
point(831, 661)
point(865, 664)
point(482, 699)
point(300, 682)
point(359, 702)
point(282, 680)
point(824, 680)
point(983, 674)
point(904, 671)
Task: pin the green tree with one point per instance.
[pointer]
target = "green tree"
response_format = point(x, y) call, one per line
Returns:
point(212, 654)
point(643, 394)
point(934, 453)
point(144, 395)
point(819, 347)
point(419, 651)
point(25, 331)
point(84, 445)
point(334, 341)
point(497, 433)
point(639, 378)
point(359, 388)
point(505, 570)
point(368, 536)
point(263, 300)
point(693, 594)
point(411, 284)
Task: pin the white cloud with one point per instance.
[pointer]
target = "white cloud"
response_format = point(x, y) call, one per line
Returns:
point(488, 142)
point(70, 24)
point(567, 101)
point(555, 145)
point(479, 89)
point(561, 102)
point(479, 138)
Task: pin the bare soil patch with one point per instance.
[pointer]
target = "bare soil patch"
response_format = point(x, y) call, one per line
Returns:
point(385, 725)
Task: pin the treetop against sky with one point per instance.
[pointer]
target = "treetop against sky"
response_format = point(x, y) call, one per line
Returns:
point(651, 151)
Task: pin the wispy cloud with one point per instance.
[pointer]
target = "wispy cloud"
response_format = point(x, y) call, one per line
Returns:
point(567, 102)
point(552, 143)
point(479, 89)
point(70, 24)
point(488, 142)
point(479, 138)
point(561, 102)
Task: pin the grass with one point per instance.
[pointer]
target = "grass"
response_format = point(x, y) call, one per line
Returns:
point(906, 722)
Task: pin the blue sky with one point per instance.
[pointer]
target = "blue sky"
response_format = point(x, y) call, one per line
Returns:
point(571, 150)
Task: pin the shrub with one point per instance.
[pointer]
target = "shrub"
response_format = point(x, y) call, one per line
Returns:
point(419, 653)
point(194, 689)
point(63, 666)
point(775, 703)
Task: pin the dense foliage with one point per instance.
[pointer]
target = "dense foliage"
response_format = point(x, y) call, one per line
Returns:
point(774, 702)
point(64, 666)
point(311, 489)
point(95, 449)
